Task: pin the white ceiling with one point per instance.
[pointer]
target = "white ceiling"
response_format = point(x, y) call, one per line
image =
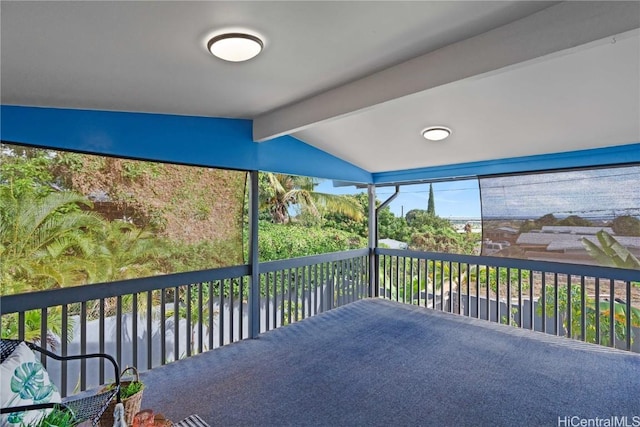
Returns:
point(356, 79)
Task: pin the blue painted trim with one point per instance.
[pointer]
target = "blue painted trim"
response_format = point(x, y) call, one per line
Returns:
point(620, 154)
point(202, 141)
point(303, 159)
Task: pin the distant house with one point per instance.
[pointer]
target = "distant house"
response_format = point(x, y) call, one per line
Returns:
point(504, 234)
point(564, 243)
point(393, 244)
point(575, 230)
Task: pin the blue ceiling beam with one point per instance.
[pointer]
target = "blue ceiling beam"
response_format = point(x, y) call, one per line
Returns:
point(201, 141)
point(615, 155)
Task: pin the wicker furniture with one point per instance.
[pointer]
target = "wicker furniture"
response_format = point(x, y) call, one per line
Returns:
point(86, 408)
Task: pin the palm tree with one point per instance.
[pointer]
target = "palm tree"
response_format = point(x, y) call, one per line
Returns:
point(279, 192)
point(45, 242)
point(125, 251)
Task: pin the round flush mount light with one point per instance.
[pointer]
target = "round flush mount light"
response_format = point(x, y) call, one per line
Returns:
point(235, 47)
point(436, 133)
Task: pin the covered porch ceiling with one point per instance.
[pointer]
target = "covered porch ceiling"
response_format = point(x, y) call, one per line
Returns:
point(341, 90)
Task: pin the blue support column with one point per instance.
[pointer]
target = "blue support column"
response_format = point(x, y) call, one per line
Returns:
point(254, 292)
point(373, 242)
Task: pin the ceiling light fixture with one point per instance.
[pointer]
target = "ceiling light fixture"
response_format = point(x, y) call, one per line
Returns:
point(235, 47)
point(436, 133)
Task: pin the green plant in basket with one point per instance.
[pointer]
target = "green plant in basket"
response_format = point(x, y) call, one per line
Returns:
point(130, 389)
point(127, 390)
point(58, 417)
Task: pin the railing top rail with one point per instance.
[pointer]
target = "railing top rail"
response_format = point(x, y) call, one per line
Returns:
point(522, 264)
point(270, 266)
point(55, 297)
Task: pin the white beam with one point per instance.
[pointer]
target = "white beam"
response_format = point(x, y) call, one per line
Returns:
point(557, 28)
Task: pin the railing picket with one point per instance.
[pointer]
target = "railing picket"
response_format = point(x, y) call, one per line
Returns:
point(583, 310)
point(543, 297)
point(211, 314)
point(487, 303)
point(459, 289)
point(509, 296)
point(102, 333)
point(477, 291)
point(629, 315)
point(149, 330)
point(397, 281)
point(597, 291)
point(498, 320)
point(282, 300)
point(289, 277)
point(555, 304)
point(468, 289)
point(64, 340)
point(176, 323)
point(532, 315)
point(134, 328)
point(384, 276)
point(200, 318)
point(241, 310)
point(441, 285)
point(267, 300)
point(450, 287)
point(520, 311)
point(231, 309)
point(275, 301)
point(21, 325)
point(83, 342)
point(163, 327)
point(569, 310)
point(612, 324)
point(221, 310)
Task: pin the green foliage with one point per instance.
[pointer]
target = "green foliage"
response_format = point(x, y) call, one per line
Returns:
point(279, 193)
point(33, 321)
point(551, 220)
point(493, 277)
point(620, 315)
point(422, 220)
point(431, 204)
point(575, 221)
point(290, 241)
point(134, 169)
point(537, 224)
point(128, 388)
point(610, 252)
point(44, 243)
point(179, 256)
point(58, 417)
point(626, 226)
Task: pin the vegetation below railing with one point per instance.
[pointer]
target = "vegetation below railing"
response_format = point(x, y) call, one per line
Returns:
point(577, 301)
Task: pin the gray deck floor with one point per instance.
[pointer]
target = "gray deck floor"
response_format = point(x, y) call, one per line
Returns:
point(380, 363)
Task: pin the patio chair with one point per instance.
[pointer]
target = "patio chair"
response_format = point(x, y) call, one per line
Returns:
point(83, 407)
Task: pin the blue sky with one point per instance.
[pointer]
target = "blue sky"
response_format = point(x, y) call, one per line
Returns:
point(455, 199)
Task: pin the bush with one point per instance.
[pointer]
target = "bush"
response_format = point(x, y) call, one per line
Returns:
point(283, 241)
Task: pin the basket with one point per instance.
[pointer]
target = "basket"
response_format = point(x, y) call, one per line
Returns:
point(131, 403)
